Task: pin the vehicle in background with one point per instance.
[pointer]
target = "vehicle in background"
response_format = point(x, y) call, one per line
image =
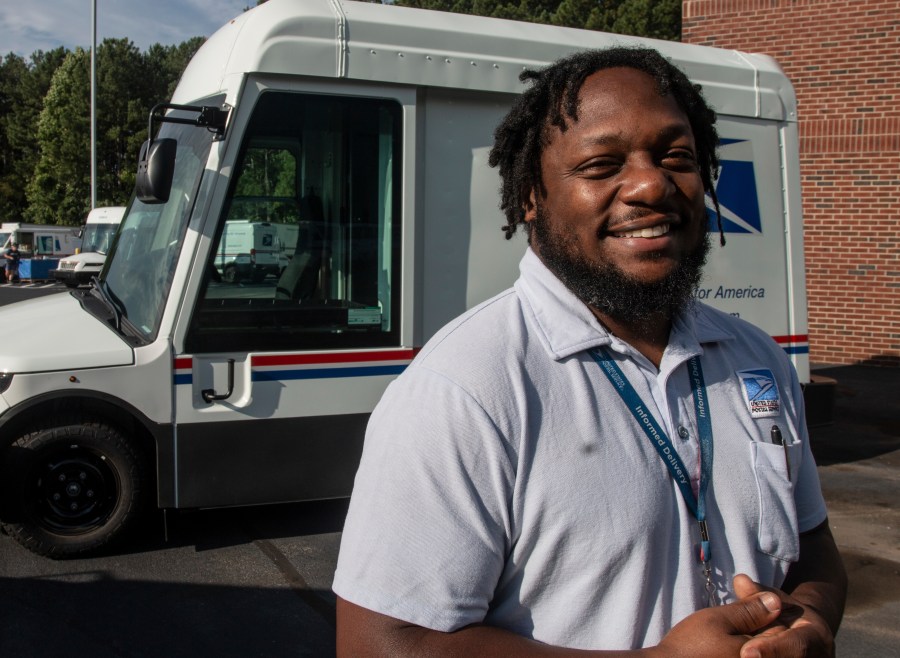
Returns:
point(39, 241)
point(288, 236)
point(247, 250)
point(96, 237)
point(367, 126)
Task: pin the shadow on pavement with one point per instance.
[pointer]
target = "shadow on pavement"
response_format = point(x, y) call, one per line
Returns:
point(859, 462)
point(113, 617)
point(866, 415)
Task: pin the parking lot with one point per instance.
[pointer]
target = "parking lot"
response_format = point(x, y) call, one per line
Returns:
point(859, 466)
point(246, 582)
point(256, 581)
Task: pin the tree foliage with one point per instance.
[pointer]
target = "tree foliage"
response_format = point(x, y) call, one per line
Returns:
point(45, 145)
point(63, 171)
point(23, 86)
point(659, 19)
point(12, 70)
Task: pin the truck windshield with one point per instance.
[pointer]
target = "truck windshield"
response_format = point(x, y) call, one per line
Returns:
point(143, 256)
point(97, 237)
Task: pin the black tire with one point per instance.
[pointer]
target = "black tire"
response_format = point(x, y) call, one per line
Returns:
point(72, 488)
point(230, 274)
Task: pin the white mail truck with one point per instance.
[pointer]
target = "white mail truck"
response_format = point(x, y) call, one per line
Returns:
point(247, 250)
point(39, 241)
point(367, 126)
point(99, 229)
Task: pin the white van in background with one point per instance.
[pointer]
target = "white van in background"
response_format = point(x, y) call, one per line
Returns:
point(99, 230)
point(39, 241)
point(247, 250)
point(288, 236)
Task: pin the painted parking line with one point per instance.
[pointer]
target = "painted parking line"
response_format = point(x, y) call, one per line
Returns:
point(34, 284)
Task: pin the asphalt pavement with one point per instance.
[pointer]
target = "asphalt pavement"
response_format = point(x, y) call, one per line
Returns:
point(859, 467)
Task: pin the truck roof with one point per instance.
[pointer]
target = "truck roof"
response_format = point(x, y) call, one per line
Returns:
point(106, 215)
point(382, 43)
point(8, 227)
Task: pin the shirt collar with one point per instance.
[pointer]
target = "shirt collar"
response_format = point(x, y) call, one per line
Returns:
point(566, 326)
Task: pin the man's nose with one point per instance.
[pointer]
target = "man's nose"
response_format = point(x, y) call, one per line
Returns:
point(646, 183)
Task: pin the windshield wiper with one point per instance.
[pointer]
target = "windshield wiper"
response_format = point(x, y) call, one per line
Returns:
point(110, 300)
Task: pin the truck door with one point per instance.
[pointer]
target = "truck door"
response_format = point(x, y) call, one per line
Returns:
point(278, 374)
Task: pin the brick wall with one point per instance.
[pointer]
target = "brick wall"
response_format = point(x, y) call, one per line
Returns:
point(843, 58)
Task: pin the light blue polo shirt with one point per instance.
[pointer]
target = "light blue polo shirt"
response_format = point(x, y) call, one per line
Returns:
point(504, 481)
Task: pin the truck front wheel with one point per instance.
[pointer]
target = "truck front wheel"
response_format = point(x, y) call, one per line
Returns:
point(72, 488)
point(230, 274)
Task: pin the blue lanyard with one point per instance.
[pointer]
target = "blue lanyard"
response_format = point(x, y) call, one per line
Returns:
point(662, 443)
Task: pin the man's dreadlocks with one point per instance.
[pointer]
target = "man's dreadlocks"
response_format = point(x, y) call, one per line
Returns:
point(552, 100)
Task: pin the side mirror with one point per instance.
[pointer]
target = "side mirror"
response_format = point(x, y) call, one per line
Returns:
point(156, 167)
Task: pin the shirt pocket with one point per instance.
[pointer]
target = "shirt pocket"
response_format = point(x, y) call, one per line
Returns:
point(778, 534)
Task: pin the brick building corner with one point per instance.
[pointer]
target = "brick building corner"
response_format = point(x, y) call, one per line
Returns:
point(843, 58)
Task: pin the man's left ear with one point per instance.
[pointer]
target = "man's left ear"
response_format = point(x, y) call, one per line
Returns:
point(530, 208)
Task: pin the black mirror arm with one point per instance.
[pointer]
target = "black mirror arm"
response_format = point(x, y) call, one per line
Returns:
point(207, 116)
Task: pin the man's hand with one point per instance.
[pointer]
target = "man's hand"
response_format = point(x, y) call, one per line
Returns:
point(721, 631)
point(812, 595)
point(799, 630)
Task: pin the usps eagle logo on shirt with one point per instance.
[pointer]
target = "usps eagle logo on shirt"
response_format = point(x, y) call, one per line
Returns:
point(760, 392)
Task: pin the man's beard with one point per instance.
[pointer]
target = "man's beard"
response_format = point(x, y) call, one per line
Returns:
point(610, 291)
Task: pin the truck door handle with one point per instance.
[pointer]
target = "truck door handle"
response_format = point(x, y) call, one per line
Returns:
point(209, 394)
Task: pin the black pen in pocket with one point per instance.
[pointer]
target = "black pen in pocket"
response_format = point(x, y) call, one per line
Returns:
point(777, 439)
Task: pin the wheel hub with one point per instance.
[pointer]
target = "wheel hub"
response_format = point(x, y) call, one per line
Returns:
point(76, 491)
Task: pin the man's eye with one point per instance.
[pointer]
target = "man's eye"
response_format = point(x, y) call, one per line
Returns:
point(598, 168)
point(680, 160)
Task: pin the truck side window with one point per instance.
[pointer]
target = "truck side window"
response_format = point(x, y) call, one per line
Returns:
point(307, 253)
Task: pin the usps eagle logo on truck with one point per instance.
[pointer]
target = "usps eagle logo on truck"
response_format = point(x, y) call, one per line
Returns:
point(736, 190)
point(760, 392)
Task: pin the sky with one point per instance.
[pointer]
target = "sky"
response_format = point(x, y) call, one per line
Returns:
point(30, 25)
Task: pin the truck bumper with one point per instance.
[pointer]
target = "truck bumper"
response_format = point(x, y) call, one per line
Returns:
point(71, 277)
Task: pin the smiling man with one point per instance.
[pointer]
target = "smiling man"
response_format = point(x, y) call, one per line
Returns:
point(576, 463)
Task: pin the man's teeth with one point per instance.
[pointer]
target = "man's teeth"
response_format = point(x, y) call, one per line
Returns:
point(652, 232)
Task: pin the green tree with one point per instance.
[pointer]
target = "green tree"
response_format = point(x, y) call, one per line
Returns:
point(45, 125)
point(268, 172)
point(12, 69)
point(23, 86)
point(587, 14)
point(58, 192)
point(166, 63)
point(659, 19)
point(124, 95)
